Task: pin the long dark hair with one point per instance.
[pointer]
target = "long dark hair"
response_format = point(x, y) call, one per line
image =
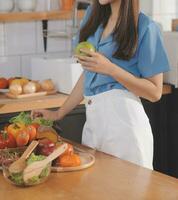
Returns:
point(125, 32)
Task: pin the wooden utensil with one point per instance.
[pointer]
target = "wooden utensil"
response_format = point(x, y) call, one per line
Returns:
point(20, 164)
point(36, 168)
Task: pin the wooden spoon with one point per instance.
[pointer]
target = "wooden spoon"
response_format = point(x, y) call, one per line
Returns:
point(20, 164)
point(36, 168)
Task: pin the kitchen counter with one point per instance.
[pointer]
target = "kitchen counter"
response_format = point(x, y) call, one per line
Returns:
point(17, 105)
point(108, 179)
point(51, 101)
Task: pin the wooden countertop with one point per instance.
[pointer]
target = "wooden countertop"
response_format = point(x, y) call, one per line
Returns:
point(32, 16)
point(51, 101)
point(17, 105)
point(108, 179)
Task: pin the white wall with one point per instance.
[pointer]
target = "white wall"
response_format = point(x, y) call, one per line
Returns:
point(146, 6)
point(162, 11)
point(19, 41)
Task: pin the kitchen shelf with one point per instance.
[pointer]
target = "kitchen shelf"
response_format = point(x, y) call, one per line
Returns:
point(35, 16)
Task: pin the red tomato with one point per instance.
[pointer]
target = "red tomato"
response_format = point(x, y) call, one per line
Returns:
point(6, 140)
point(22, 138)
point(3, 83)
point(31, 130)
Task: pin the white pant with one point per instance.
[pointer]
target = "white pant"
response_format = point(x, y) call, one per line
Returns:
point(116, 123)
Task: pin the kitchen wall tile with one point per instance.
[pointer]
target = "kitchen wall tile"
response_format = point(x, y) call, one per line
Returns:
point(39, 37)
point(156, 7)
point(165, 7)
point(10, 66)
point(146, 6)
point(41, 5)
point(20, 38)
point(54, 43)
point(47, 5)
point(57, 43)
point(25, 66)
point(2, 40)
point(161, 11)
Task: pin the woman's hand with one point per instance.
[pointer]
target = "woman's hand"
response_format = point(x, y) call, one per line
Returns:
point(46, 114)
point(95, 62)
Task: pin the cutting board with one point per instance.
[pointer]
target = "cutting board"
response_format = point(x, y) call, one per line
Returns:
point(36, 94)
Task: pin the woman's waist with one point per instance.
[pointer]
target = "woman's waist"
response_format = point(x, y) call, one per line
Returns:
point(112, 95)
point(90, 90)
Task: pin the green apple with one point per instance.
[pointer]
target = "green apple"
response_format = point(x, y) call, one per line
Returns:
point(84, 45)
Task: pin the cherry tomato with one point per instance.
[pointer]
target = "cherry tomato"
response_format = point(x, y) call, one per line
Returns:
point(6, 140)
point(31, 130)
point(22, 138)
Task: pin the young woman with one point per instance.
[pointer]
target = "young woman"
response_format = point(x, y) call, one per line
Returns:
point(128, 63)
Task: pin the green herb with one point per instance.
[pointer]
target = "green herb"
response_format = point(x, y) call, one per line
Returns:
point(34, 158)
point(23, 118)
point(43, 122)
point(17, 178)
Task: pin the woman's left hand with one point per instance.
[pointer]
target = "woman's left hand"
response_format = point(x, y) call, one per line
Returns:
point(95, 62)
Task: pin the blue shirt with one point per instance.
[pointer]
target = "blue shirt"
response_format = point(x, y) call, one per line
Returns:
point(150, 57)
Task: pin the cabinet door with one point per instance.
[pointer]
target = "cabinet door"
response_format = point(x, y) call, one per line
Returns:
point(172, 135)
point(157, 114)
point(72, 124)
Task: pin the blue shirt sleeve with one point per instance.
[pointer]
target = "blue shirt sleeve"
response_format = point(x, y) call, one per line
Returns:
point(152, 57)
point(75, 39)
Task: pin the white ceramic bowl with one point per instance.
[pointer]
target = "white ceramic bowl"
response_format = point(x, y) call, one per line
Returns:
point(6, 5)
point(26, 5)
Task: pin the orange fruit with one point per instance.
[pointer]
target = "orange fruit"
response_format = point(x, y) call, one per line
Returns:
point(67, 160)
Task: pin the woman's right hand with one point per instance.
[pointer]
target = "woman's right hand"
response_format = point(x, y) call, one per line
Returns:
point(46, 114)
